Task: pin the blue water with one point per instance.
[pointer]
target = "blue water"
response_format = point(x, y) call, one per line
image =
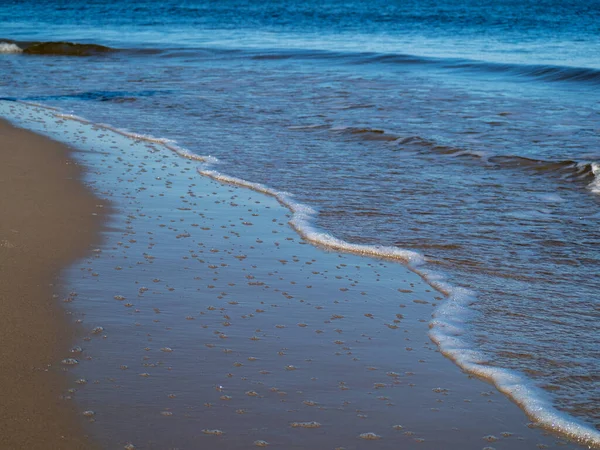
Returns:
point(465, 131)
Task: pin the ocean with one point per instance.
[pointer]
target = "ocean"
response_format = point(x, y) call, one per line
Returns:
point(458, 137)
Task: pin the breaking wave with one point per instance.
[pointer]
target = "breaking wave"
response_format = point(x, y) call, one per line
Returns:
point(53, 48)
point(539, 72)
point(9, 47)
point(586, 172)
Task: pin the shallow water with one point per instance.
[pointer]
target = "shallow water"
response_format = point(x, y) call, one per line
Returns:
point(204, 320)
point(466, 133)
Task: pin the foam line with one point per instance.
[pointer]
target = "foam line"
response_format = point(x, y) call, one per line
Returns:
point(302, 216)
point(448, 330)
point(446, 333)
point(167, 143)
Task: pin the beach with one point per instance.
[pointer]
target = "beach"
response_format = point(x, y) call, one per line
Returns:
point(454, 140)
point(48, 220)
point(201, 319)
point(295, 224)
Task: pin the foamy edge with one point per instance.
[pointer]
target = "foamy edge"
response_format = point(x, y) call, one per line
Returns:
point(447, 331)
point(7, 47)
point(167, 143)
point(302, 216)
point(447, 328)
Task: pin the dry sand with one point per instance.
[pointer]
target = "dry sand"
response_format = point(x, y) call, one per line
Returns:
point(46, 222)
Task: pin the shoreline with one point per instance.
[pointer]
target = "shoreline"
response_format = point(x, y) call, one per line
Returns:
point(139, 213)
point(47, 224)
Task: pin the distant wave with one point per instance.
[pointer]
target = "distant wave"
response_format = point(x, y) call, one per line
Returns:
point(572, 170)
point(53, 48)
point(536, 71)
point(98, 96)
point(586, 172)
point(541, 72)
point(10, 47)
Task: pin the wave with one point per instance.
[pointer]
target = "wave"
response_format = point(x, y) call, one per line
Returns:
point(10, 47)
point(585, 172)
point(100, 96)
point(542, 72)
point(570, 170)
point(53, 48)
point(535, 71)
point(539, 72)
point(448, 327)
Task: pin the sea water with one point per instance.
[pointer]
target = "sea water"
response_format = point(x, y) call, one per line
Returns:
point(460, 137)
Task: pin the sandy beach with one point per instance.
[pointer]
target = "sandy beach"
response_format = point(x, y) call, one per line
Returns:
point(46, 223)
point(202, 320)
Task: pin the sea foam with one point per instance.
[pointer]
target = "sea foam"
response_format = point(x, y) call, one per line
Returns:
point(301, 222)
point(7, 47)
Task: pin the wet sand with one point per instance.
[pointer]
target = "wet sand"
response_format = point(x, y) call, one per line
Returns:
point(46, 222)
point(205, 321)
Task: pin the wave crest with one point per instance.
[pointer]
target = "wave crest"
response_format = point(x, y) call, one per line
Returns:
point(65, 49)
point(10, 47)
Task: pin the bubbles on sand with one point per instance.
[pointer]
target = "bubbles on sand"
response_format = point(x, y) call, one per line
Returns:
point(305, 425)
point(369, 436)
point(310, 403)
point(70, 362)
point(213, 432)
point(302, 216)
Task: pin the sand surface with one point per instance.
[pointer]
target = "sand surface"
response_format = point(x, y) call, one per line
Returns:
point(205, 321)
point(45, 223)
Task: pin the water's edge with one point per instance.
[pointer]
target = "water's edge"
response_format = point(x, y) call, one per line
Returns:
point(448, 325)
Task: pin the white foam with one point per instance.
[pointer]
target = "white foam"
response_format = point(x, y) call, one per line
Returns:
point(6, 47)
point(447, 330)
point(302, 216)
point(38, 105)
point(167, 143)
